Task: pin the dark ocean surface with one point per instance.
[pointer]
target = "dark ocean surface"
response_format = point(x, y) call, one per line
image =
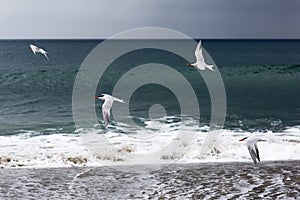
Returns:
point(261, 79)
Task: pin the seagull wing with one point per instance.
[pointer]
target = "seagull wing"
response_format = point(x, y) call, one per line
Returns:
point(106, 116)
point(106, 110)
point(198, 53)
point(257, 152)
point(252, 153)
point(119, 100)
point(210, 67)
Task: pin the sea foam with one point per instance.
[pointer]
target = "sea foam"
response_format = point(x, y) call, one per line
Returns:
point(152, 144)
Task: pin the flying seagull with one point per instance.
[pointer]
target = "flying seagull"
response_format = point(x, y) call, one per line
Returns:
point(200, 63)
point(252, 147)
point(36, 49)
point(106, 106)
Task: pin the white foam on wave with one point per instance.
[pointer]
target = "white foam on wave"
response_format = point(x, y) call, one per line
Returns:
point(66, 150)
point(57, 150)
point(278, 146)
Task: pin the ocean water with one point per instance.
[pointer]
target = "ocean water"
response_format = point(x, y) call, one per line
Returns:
point(261, 80)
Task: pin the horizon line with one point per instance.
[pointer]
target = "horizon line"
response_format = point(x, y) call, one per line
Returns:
point(148, 39)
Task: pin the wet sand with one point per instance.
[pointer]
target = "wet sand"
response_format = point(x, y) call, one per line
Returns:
point(273, 180)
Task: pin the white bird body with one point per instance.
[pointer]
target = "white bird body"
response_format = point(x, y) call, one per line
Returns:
point(36, 49)
point(252, 147)
point(106, 106)
point(200, 62)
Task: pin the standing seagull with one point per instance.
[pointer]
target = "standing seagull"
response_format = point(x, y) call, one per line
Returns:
point(200, 63)
point(106, 106)
point(252, 147)
point(36, 49)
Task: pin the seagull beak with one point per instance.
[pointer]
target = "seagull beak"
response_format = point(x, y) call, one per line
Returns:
point(243, 139)
point(100, 97)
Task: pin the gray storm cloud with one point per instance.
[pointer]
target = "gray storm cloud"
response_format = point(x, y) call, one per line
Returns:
point(102, 18)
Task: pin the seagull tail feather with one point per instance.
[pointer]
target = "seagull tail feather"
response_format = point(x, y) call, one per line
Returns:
point(210, 67)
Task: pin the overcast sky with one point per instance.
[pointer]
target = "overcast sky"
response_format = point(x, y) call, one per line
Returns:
point(103, 18)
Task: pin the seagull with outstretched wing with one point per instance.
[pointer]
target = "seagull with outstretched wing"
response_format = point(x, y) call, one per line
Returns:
point(36, 49)
point(106, 106)
point(252, 147)
point(200, 63)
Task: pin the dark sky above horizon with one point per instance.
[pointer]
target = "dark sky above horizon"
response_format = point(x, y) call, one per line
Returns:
point(217, 19)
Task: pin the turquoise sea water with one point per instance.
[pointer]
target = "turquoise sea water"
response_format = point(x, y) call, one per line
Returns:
point(261, 79)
